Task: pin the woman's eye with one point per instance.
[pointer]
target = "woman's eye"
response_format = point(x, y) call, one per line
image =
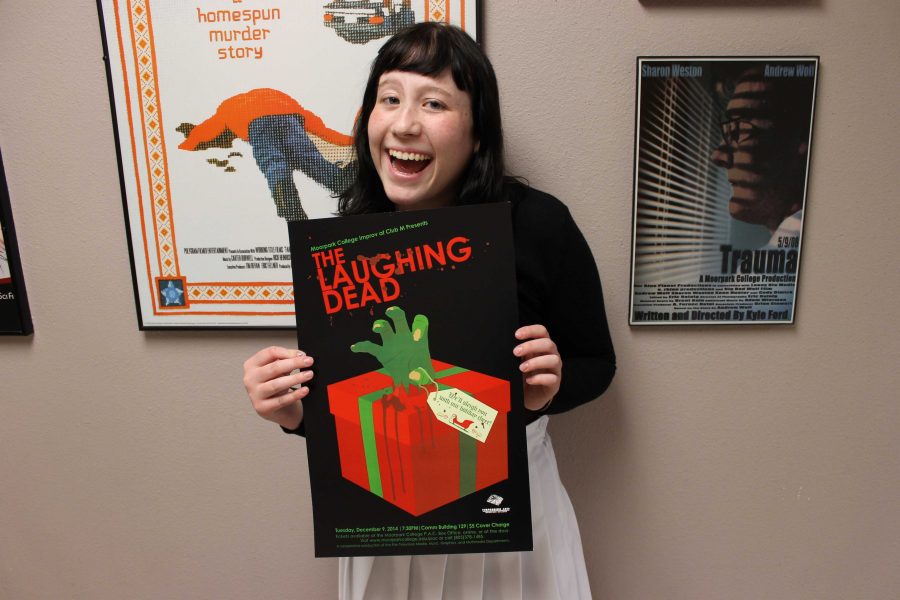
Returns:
point(390, 100)
point(434, 105)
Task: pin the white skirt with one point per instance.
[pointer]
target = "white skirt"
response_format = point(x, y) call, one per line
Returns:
point(555, 570)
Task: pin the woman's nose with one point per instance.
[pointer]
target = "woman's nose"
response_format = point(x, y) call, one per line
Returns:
point(407, 122)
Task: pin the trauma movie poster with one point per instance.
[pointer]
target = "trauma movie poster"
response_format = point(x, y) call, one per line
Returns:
point(415, 418)
point(721, 168)
point(232, 117)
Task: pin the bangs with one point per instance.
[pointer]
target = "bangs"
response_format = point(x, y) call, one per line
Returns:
point(428, 51)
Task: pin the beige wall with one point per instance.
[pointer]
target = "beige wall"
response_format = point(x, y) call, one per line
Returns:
point(724, 463)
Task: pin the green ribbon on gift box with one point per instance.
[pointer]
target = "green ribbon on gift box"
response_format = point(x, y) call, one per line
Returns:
point(468, 451)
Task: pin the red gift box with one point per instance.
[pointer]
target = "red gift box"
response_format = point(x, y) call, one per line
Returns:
point(391, 444)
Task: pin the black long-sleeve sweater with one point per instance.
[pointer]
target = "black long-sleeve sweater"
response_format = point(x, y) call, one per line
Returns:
point(559, 287)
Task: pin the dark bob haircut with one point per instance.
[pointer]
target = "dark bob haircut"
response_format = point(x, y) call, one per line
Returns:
point(429, 49)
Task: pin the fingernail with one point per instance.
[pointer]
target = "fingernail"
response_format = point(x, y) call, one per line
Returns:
point(307, 361)
point(523, 366)
point(517, 350)
point(301, 353)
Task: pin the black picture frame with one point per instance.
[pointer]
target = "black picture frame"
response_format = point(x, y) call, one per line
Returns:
point(15, 315)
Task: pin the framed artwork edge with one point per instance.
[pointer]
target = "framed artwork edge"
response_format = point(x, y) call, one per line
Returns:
point(13, 260)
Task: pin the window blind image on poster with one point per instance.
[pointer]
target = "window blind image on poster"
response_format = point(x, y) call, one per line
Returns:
point(721, 164)
point(680, 215)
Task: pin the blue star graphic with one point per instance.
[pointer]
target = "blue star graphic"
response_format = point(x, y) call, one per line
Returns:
point(172, 294)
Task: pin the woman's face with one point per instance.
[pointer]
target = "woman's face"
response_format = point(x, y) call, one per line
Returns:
point(421, 138)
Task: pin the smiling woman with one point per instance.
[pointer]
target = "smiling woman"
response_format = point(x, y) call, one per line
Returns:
point(429, 135)
point(420, 138)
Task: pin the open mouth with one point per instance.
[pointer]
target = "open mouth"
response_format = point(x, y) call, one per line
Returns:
point(408, 163)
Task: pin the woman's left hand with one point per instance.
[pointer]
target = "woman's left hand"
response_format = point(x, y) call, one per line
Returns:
point(541, 365)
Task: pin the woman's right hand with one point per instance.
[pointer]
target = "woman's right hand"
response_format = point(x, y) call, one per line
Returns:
point(268, 379)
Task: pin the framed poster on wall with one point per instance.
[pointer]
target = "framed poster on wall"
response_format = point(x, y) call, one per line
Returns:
point(232, 118)
point(15, 317)
point(720, 187)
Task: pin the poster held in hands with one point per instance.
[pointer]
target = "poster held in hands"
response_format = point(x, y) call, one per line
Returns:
point(415, 418)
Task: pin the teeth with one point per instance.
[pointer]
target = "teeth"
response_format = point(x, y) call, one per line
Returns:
point(408, 155)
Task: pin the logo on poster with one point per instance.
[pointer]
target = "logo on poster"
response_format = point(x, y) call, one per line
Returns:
point(496, 501)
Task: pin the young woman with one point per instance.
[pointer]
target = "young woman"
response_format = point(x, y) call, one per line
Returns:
point(429, 135)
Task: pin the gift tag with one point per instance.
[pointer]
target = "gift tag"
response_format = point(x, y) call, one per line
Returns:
point(462, 412)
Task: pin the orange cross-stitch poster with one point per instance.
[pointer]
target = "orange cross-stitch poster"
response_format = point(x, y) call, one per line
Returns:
point(233, 117)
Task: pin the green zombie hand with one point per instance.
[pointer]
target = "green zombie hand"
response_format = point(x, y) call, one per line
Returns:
point(403, 353)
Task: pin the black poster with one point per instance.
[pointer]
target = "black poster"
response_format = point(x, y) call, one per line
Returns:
point(415, 418)
point(15, 318)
